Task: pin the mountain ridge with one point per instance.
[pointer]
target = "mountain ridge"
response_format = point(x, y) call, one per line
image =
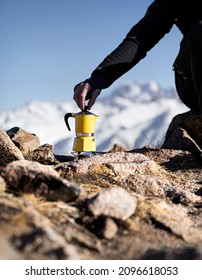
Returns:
point(133, 115)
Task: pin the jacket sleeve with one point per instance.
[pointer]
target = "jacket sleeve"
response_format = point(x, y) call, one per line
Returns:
point(158, 21)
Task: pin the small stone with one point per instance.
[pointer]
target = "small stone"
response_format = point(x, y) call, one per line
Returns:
point(117, 148)
point(114, 202)
point(104, 227)
point(110, 228)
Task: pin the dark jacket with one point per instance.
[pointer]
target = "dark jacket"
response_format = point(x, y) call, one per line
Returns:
point(160, 17)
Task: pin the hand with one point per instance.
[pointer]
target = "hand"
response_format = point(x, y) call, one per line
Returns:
point(80, 94)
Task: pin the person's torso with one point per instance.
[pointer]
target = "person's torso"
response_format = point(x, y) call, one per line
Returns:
point(188, 14)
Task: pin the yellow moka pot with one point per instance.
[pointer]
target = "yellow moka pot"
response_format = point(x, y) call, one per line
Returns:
point(84, 128)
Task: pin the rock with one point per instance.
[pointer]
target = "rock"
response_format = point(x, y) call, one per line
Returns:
point(2, 184)
point(117, 148)
point(191, 122)
point(9, 152)
point(42, 180)
point(180, 140)
point(177, 192)
point(7, 250)
point(120, 163)
point(24, 140)
point(43, 154)
point(110, 229)
point(180, 163)
point(164, 216)
point(104, 227)
point(114, 202)
point(35, 237)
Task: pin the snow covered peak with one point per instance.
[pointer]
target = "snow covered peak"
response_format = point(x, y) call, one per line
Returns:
point(133, 115)
point(141, 92)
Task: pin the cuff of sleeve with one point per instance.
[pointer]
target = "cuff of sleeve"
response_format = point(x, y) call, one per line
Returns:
point(97, 82)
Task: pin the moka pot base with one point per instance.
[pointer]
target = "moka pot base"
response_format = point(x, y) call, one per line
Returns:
point(84, 144)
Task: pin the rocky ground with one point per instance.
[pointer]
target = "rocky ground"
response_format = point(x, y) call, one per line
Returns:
point(139, 204)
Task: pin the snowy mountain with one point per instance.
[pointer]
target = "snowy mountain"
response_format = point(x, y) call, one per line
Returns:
point(134, 115)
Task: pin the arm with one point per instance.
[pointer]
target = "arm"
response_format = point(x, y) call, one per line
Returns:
point(158, 21)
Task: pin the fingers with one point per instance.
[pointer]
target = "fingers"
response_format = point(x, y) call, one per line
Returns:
point(80, 93)
point(92, 100)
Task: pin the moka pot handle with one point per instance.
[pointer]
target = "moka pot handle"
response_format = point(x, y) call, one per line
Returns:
point(66, 117)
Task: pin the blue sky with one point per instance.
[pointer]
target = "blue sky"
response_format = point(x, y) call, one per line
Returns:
point(48, 46)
